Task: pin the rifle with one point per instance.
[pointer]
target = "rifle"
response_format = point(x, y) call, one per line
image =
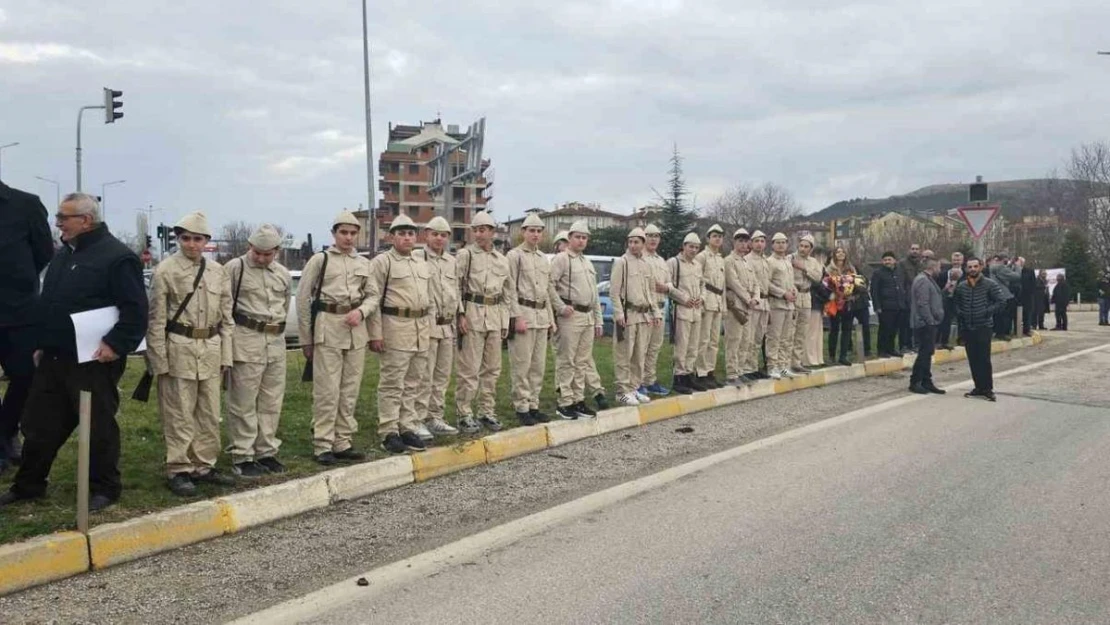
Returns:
point(674, 304)
point(618, 329)
point(463, 293)
point(142, 389)
point(225, 379)
point(306, 375)
point(512, 320)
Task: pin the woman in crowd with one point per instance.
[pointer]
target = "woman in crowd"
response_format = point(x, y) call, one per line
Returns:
point(841, 280)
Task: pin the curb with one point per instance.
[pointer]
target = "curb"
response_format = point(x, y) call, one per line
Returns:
point(57, 556)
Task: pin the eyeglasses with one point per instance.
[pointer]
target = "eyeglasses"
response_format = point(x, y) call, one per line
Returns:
point(191, 237)
point(63, 216)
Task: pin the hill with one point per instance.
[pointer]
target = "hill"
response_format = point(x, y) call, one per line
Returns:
point(1017, 198)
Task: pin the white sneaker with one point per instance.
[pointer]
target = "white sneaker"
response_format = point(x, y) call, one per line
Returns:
point(628, 399)
point(422, 431)
point(787, 373)
point(644, 399)
point(774, 374)
point(439, 427)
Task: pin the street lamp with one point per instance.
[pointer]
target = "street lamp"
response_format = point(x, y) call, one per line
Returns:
point(104, 198)
point(10, 145)
point(371, 203)
point(57, 190)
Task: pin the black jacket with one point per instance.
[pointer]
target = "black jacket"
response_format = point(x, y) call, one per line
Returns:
point(907, 269)
point(1028, 284)
point(1061, 295)
point(25, 249)
point(97, 272)
point(887, 290)
point(1104, 287)
point(977, 305)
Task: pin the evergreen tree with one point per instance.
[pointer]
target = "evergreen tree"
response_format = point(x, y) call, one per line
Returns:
point(608, 241)
point(1075, 256)
point(677, 219)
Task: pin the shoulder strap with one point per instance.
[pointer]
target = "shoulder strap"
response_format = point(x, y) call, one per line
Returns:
point(189, 295)
point(238, 286)
point(388, 272)
point(320, 278)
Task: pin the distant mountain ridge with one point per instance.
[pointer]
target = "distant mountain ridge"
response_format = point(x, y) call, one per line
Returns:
point(1016, 196)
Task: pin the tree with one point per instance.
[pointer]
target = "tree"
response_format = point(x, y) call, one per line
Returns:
point(1089, 169)
point(767, 207)
point(1075, 256)
point(233, 238)
point(609, 241)
point(677, 219)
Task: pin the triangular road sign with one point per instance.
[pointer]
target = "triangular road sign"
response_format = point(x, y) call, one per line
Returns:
point(979, 218)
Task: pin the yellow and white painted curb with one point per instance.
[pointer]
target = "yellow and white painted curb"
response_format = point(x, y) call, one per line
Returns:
point(57, 556)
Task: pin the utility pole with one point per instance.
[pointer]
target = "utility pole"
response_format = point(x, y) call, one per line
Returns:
point(110, 116)
point(372, 205)
point(2, 147)
point(150, 210)
point(104, 198)
point(57, 190)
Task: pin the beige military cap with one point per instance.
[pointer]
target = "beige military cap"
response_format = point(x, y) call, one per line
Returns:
point(438, 224)
point(562, 236)
point(580, 226)
point(692, 238)
point(482, 218)
point(758, 234)
point(345, 218)
point(265, 238)
point(533, 221)
point(741, 233)
point(715, 228)
point(402, 221)
point(809, 239)
point(652, 229)
point(779, 237)
point(196, 223)
point(637, 232)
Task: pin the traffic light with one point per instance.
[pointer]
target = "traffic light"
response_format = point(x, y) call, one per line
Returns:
point(111, 104)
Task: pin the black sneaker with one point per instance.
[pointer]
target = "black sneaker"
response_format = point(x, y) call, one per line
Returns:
point(250, 470)
point(272, 465)
point(525, 418)
point(327, 459)
point(182, 485)
point(413, 442)
point(844, 362)
point(393, 443)
point(917, 388)
point(349, 455)
point(567, 412)
point(9, 497)
point(989, 396)
point(491, 423)
point(583, 410)
point(539, 416)
point(214, 478)
point(98, 503)
point(932, 388)
point(601, 401)
point(973, 393)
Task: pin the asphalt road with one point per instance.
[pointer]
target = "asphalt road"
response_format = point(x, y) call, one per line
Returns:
point(885, 518)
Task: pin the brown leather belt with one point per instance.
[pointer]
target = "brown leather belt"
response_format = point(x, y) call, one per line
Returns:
point(578, 307)
point(714, 290)
point(259, 326)
point(532, 304)
point(640, 309)
point(337, 309)
point(482, 300)
point(181, 329)
point(406, 313)
point(764, 295)
point(444, 321)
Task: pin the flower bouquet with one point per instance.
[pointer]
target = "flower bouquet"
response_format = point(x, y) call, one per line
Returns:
point(841, 287)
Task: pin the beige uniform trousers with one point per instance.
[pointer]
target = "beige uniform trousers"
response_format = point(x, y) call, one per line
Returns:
point(687, 339)
point(710, 342)
point(191, 423)
point(528, 362)
point(337, 377)
point(815, 339)
point(403, 377)
point(593, 378)
point(801, 330)
point(757, 331)
point(431, 399)
point(574, 361)
point(629, 356)
point(780, 332)
point(478, 368)
point(651, 358)
point(254, 400)
point(736, 348)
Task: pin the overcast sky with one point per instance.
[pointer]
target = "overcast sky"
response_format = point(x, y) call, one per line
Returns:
point(254, 110)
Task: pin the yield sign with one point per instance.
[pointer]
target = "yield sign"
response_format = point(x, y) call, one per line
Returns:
point(979, 218)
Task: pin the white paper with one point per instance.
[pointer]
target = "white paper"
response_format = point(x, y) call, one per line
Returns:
point(90, 327)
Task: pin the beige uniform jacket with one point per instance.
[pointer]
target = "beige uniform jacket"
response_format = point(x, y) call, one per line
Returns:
point(262, 294)
point(804, 279)
point(210, 307)
point(400, 301)
point(530, 277)
point(742, 285)
point(687, 278)
point(632, 290)
point(484, 274)
point(661, 274)
point(762, 273)
point(780, 282)
point(713, 275)
point(444, 284)
point(575, 280)
point(345, 283)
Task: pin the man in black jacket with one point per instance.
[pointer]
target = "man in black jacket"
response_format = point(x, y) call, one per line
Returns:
point(888, 296)
point(92, 270)
point(1028, 297)
point(978, 299)
point(1061, 296)
point(947, 279)
point(907, 270)
point(25, 249)
point(1104, 299)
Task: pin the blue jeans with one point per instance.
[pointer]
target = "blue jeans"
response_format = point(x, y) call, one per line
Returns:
point(1103, 309)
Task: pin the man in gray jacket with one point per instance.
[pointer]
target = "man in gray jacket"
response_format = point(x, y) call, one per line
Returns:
point(926, 313)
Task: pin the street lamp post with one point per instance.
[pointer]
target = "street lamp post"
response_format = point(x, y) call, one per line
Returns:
point(104, 197)
point(371, 205)
point(10, 145)
point(57, 190)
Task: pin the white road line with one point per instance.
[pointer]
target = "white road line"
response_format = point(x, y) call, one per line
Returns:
point(415, 568)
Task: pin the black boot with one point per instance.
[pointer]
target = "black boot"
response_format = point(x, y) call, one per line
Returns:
point(711, 382)
point(695, 384)
point(681, 386)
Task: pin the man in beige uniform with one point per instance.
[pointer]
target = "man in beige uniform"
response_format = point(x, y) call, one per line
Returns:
point(575, 281)
point(685, 275)
point(333, 286)
point(780, 329)
point(484, 283)
point(189, 347)
point(530, 299)
point(713, 278)
point(260, 291)
point(740, 285)
point(760, 313)
point(663, 287)
point(562, 240)
point(399, 299)
point(430, 401)
point(634, 315)
point(807, 273)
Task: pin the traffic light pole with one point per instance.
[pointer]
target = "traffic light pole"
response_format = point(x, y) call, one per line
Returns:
point(79, 114)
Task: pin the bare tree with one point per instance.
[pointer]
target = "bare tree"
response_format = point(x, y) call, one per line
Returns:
point(766, 206)
point(1089, 170)
point(233, 238)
